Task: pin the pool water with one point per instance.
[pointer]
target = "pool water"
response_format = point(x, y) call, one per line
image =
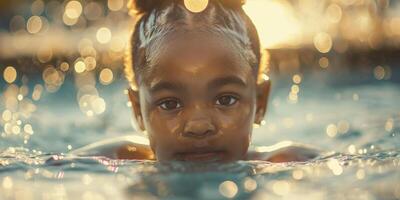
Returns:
point(354, 120)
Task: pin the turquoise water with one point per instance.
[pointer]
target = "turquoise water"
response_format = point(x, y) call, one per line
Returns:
point(100, 178)
point(354, 120)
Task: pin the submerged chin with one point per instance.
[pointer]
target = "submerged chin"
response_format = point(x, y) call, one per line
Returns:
point(209, 156)
point(203, 156)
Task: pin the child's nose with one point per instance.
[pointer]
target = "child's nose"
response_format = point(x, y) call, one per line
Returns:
point(199, 128)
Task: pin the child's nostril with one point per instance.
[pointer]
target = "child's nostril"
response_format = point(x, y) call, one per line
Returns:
point(199, 134)
point(199, 128)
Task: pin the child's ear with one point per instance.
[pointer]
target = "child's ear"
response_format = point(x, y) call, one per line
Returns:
point(135, 101)
point(263, 89)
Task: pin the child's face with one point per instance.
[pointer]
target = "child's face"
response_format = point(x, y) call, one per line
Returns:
point(199, 103)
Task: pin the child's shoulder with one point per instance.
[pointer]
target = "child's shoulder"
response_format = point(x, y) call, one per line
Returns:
point(284, 152)
point(126, 147)
point(137, 147)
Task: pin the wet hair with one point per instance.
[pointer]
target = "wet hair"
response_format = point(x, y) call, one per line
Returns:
point(158, 19)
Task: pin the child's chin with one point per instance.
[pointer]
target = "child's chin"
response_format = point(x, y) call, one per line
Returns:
point(215, 156)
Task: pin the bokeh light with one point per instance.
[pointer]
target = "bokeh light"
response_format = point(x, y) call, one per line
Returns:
point(7, 183)
point(196, 6)
point(115, 5)
point(37, 7)
point(323, 42)
point(323, 62)
point(106, 76)
point(73, 9)
point(34, 24)
point(80, 66)
point(298, 174)
point(281, 188)
point(331, 130)
point(228, 189)
point(249, 184)
point(53, 78)
point(334, 13)
point(297, 79)
point(103, 35)
point(64, 66)
point(93, 11)
point(379, 72)
point(10, 74)
point(37, 92)
point(17, 23)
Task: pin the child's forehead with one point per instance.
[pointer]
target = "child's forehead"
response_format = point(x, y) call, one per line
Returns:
point(196, 49)
point(189, 72)
point(200, 47)
point(214, 54)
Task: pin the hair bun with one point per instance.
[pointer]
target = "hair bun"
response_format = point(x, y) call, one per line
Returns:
point(145, 6)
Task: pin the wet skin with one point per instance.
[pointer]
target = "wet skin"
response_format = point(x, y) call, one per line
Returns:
point(199, 103)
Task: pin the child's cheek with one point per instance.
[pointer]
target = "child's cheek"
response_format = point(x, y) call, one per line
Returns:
point(163, 131)
point(236, 130)
point(166, 125)
point(173, 124)
point(238, 118)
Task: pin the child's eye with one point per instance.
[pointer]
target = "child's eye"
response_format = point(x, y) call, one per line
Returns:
point(170, 104)
point(226, 100)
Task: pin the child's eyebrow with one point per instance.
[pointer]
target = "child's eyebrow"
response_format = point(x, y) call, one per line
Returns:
point(218, 82)
point(163, 85)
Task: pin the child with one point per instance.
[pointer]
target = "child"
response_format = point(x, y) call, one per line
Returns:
point(196, 85)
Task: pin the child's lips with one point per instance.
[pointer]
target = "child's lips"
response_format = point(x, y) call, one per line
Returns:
point(210, 156)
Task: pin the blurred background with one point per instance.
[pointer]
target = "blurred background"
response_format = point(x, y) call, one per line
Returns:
point(333, 64)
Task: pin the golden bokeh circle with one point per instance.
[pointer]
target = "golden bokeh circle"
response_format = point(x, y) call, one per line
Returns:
point(10, 74)
point(196, 6)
